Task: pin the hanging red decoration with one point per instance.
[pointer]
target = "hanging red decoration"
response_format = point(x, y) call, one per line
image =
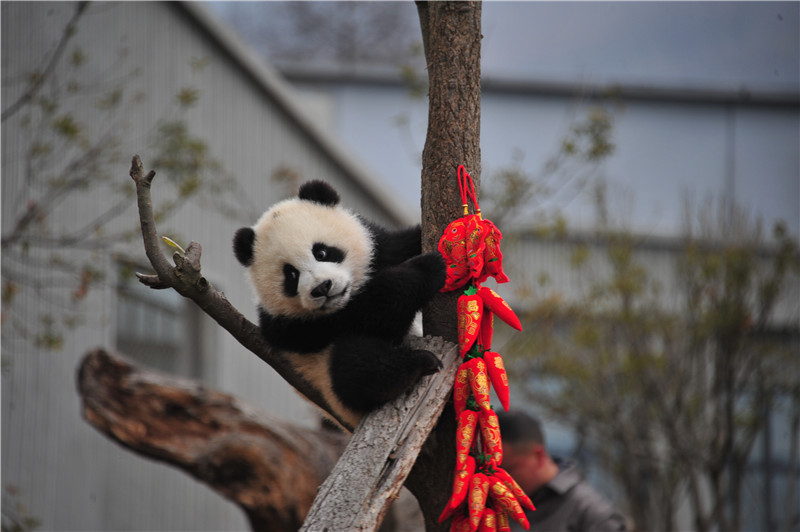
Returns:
point(470, 245)
point(484, 495)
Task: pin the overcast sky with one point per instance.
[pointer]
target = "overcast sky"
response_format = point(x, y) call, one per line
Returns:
point(685, 44)
point(733, 44)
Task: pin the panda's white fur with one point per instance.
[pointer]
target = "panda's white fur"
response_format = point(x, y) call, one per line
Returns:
point(286, 234)
point(346, 338)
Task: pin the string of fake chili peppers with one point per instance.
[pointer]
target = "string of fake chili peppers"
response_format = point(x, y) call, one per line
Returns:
point(484, 495)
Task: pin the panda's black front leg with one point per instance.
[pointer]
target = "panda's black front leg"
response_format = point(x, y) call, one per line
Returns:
point(396, 294)
point(393, 247)
point(367, 372)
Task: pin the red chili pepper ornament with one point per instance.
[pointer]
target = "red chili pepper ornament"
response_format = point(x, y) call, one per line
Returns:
point(461, 389)
point(487, 329)
point(465, 435)
point(488, 521)
point(490, 435)
point(470, 247)
point(506, 501)
point(497, 374)
point(470, 309)
point(479, 382)
point(503, 476)
point(499, 307)
point(478, 492)
point(461, 482)
point(502, 521)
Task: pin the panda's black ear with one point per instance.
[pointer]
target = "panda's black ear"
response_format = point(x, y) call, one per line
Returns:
point(243, 242)
point(319, 192)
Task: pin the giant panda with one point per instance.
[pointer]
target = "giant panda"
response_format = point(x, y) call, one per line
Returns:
point(338, 294)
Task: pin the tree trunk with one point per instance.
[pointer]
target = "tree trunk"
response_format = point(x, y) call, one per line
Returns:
point(451, 33)
point(270, 469)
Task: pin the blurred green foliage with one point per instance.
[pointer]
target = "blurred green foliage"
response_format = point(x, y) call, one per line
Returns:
point(71, 124)
point(668, 387)
point(661, 354)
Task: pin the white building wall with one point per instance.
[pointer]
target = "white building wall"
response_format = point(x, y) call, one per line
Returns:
point(665, 146)
point(66, 474)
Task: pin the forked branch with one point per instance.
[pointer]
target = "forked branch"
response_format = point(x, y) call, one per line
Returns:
point(185, 277)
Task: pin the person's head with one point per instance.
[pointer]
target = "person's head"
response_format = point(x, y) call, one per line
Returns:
point(524, 453)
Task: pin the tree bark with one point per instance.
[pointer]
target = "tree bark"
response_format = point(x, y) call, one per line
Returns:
point(269, 469)
point(452, 39)
point(451, 33)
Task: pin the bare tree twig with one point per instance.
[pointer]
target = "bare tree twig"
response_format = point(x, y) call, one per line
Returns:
point(69, 31)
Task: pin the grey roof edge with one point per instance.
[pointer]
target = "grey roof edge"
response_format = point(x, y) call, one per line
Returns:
point(388, 76)
point(281, 92)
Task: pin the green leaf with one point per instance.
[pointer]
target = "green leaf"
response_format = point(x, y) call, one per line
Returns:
point(188, 96)
point(173, 244)
point(77, 58)
point(67, 126)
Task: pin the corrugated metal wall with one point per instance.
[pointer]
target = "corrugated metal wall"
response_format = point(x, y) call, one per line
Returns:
point(68, 476)
point(540, 267)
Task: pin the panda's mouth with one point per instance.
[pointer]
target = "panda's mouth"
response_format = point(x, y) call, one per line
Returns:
point(334, 301)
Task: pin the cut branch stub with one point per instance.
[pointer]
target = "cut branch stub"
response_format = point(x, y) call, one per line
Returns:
point(187, 267)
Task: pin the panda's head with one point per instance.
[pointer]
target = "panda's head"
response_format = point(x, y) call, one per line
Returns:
point(307, 255)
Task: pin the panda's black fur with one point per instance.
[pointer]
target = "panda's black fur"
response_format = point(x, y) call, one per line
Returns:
point(354, 352)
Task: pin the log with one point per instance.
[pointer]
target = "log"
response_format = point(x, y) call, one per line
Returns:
point(268, 468)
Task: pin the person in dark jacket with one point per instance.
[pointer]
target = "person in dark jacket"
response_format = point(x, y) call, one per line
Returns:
point(564, 501)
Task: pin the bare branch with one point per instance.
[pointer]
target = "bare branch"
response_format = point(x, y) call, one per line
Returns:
point(151, 281)
point(54, 194)
point(186, 279)
point(69, 31)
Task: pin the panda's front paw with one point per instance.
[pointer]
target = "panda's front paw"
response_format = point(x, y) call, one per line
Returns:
point(432, 267)
point(428, 362)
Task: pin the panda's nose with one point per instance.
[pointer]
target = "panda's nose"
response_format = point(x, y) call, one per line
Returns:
point(322, 289)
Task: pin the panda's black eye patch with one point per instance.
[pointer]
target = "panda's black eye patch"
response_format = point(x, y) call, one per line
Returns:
point(325, 253)
point(291, 276)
